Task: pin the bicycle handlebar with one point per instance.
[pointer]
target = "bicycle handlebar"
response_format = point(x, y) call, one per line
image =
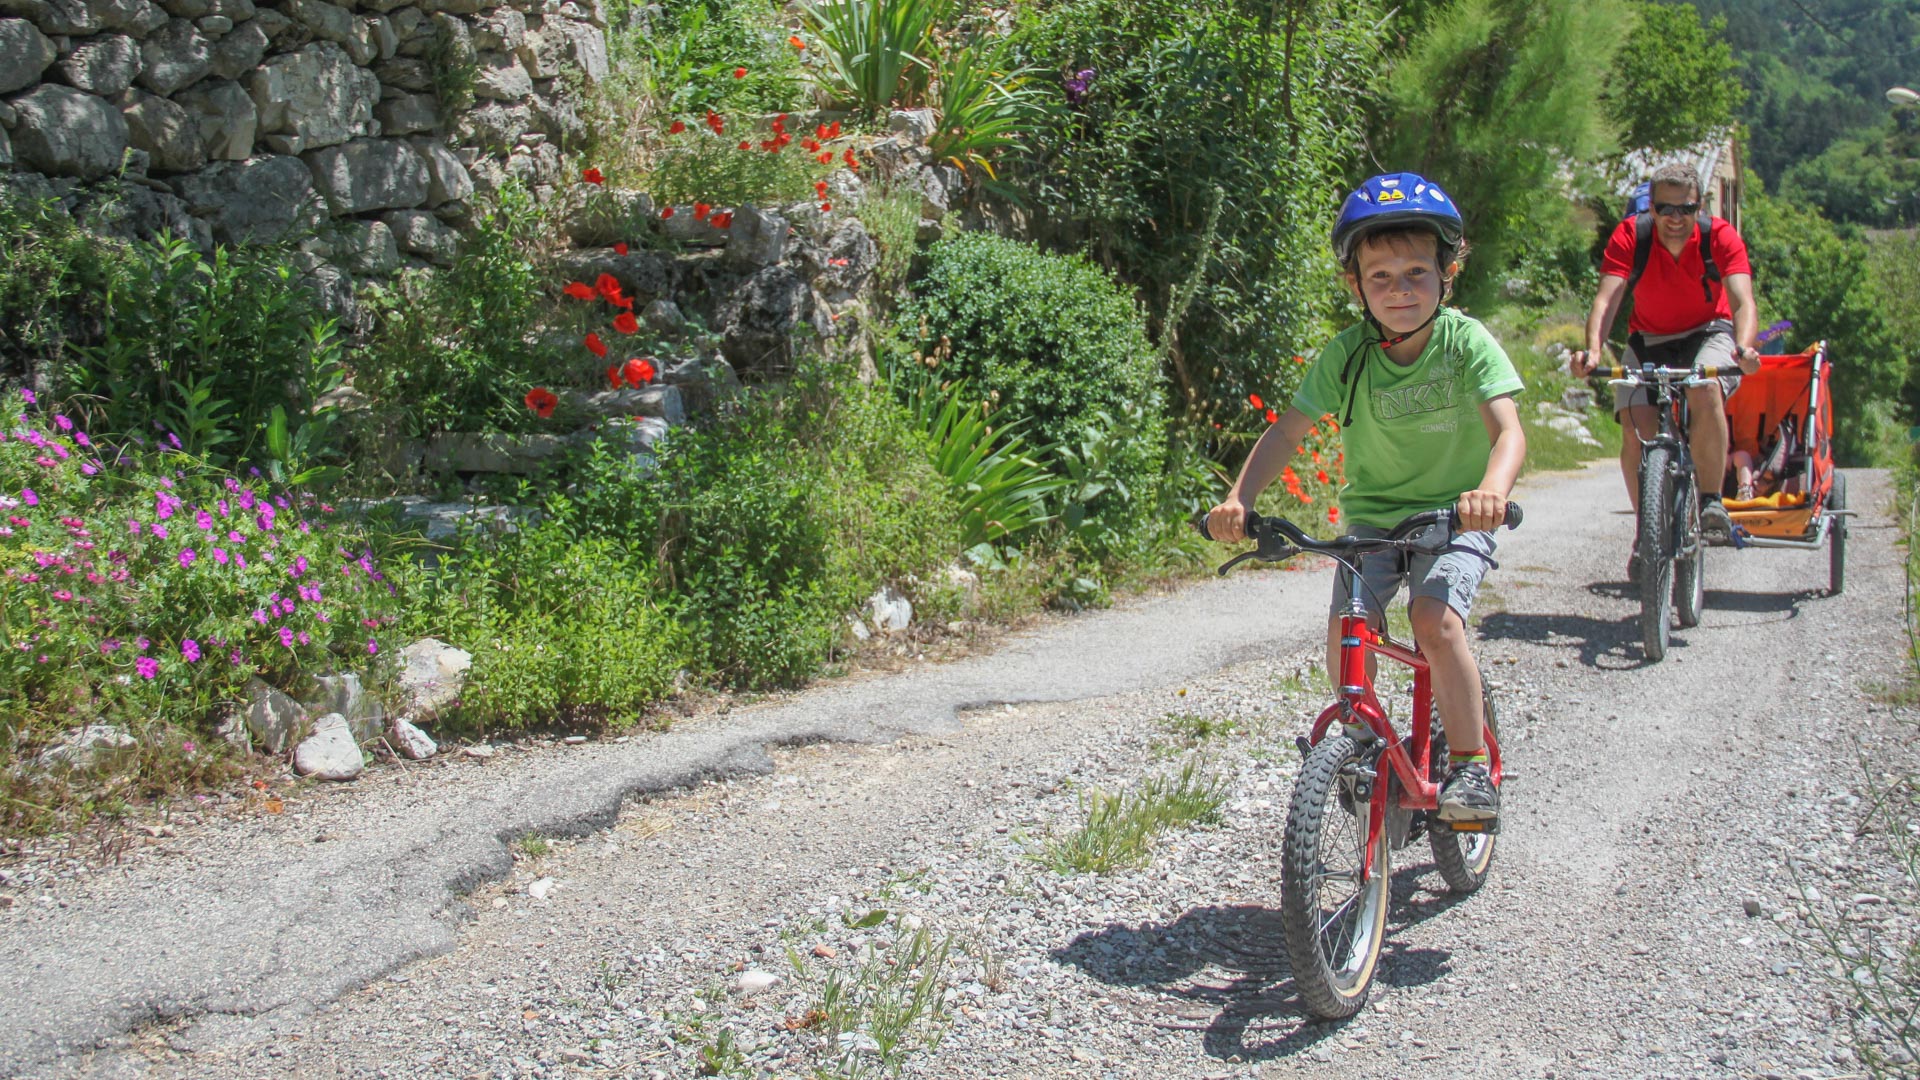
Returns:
point(1277, 539)
point(1622, 373)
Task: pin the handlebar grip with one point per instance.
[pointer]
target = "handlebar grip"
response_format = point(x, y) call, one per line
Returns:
point(1199, 523)
point(1609, 371)
point(1514, 516)
point(1719, 372)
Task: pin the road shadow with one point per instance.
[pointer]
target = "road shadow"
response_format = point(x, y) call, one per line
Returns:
point(1753, 603)
point(1222, 970)
point(1602, 644)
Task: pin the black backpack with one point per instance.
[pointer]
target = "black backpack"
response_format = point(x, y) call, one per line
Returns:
point(1643, 248)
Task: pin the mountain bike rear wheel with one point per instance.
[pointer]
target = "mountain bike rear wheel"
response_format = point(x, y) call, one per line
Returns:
point(1656, 550)
point(1689, 566)
point(1465, 859)
point(1333, 908)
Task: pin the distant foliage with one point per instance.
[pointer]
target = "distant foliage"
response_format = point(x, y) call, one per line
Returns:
point(1674, 81)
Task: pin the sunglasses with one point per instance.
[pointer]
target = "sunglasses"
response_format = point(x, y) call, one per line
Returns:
point(1676, 209)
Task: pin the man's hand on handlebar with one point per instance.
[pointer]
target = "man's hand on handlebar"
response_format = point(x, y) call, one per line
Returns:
point(1582, 363)
point(1749, 359)
point(1227, 523)
point(1480, 511)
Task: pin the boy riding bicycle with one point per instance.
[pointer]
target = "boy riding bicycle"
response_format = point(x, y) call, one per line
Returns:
point(1425, 399)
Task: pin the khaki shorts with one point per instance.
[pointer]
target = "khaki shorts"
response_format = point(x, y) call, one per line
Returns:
point(1716, 351)
point(1452, 577)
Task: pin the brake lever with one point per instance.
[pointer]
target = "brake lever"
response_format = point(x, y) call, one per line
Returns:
point(1255, 554)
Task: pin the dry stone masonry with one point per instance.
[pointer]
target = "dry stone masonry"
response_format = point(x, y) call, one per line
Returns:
point(340, 124)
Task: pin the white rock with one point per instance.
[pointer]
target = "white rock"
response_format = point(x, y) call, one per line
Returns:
point(539, 889)
point(859, 628)
point(87, 747)
point(410, 741)
point(434, 676)
point(752, 982)
point(330, 753)
point(483, 751)
point(889, 611)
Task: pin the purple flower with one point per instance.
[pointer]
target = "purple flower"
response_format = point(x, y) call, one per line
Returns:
point(1077, 85)
point(223, 507)
point(142, 642)
point(28, 394)
point(304, 638)
point(190, 649)
point(147, 666)
point(27, 496)
point(220, 556)
point(81, 438)
point(109, 645)
point(89, 469)
point(186, 557)
point(373, 647)
point(174, 439)
point(63, 423)
point(299, 566)
point(234, 537)
point(286, 637)
point(203, 520)
point(188, 747)
point(260, 616)
point(159, 531)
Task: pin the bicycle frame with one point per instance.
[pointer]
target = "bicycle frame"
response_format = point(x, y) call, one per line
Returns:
point(1407, 760)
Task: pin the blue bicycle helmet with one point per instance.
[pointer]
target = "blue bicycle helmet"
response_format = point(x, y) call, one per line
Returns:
point(1396, 199)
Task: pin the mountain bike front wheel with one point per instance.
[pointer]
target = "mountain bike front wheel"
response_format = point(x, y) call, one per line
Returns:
point(1333, 906)
point(1656, 550)
point(1689, 564)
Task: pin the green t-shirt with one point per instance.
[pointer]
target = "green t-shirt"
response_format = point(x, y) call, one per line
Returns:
point(1416, 441)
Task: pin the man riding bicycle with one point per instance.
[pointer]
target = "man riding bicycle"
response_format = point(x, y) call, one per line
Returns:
point(1692, 289)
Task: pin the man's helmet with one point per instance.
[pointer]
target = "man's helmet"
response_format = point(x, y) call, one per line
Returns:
point(1395, 199)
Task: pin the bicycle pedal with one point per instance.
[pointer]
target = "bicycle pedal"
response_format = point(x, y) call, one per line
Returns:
point(1489, 827)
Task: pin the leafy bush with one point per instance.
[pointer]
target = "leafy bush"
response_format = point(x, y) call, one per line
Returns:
point(701, 166)
point(1052, 341)
point(891, 215)
point(1184, 113)
point(564, 626)
point(984, 108)
point(54, 280)
point(1001, 491)
point(451, 349)
point(144, 585)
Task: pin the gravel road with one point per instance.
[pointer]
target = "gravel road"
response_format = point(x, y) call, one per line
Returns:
point(709, 904)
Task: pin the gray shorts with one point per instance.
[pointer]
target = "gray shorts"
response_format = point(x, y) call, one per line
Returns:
point(1716, 351)
point(1453, 576)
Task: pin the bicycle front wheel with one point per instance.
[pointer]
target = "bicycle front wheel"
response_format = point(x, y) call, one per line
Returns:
point(1333, 907)
point(1689, 565)
point(1656, 550)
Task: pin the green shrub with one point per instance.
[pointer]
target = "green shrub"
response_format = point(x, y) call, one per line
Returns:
point(1053, 342)
point(452, 349)
point(878, 52)
point(564, 627)
point(54, 281)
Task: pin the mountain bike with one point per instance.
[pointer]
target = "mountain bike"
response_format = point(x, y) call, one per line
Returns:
point(1364, 791)
point(1671, 573)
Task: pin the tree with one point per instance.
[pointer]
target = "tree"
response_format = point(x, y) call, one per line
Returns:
point(1675, 81)
point(1497, 100)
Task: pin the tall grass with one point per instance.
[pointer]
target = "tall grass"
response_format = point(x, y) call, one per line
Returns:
point(1120, 829)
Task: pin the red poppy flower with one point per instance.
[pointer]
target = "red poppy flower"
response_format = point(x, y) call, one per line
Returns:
point(740, 73)
point(620, 248)
point(1313, 433)
point(833, 131)
point(794, 40)
point(820, 187)
point(826, 157)
point(639, 372)
point(607, 285)
point(784, 138)
point(1254, 400)
point(744, 145)
point(826, 207)
point(810, 146)
point(722, 220)
point(677, 127)
point(626, 323)
point(780, 122)
point(1272, 417)
point(541, 400)
point(836, 262)
point(613, 376)
point(1321, 476)
point(852, 162)
point(1299, 359)
point(820, 132)
point(1292, 478)
point(621, 302)
point(701, 210)
point(666, 212)
point(593, 176)
point(596, 346)
point(1333, 515)
point(579, 290)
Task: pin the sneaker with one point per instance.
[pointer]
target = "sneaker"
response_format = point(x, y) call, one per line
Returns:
point(1469, 795)
point(1715, 526)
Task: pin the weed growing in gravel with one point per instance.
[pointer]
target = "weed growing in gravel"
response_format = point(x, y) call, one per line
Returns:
point(1191, 729)
point(890, 1005)
point(1120, 829)
point(533, 846)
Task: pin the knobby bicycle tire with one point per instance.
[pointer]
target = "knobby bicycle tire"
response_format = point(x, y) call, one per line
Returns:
point(1837, 536)
point(1689, 569)
point(1656, 551)
point(1333, 955)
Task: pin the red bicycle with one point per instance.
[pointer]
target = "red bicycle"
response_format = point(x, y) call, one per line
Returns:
point(1364, 790)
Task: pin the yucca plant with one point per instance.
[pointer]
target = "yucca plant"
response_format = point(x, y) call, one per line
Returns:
point(1001, 490)
point(878, 52)
point(983, 110)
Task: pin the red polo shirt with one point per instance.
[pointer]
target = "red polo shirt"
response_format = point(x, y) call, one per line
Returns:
point(1668, 299)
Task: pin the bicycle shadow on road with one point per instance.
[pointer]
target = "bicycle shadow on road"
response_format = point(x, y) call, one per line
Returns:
point(1222, 970)
point(1603, 645)
point(1754, 603)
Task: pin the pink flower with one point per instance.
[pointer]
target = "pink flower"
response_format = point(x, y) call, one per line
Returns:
point(190, 650)
point(260, 616)
point(303, 637)
point(80, 437)
point(286, 637)
point(28, 394)
point(220, 556)
point(159, 531)
point(299, 566)
point(203, 521)
point(186, 557)
point(373, 647)
point(27, 496)
point(147, 666)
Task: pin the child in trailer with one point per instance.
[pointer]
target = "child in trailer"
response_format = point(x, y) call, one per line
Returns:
point(1425, 399)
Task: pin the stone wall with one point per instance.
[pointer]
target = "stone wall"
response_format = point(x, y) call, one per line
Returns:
point(363, 127)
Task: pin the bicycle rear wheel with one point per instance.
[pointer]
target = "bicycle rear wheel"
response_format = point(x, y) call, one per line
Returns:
point(1837, 536)
point(1689, 565)
point(1656, 551)
point(1465, 859)
point(1333, 909)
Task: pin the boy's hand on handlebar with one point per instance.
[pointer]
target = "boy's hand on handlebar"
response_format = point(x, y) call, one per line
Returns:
point(1480, 511)
point(1227, 523)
